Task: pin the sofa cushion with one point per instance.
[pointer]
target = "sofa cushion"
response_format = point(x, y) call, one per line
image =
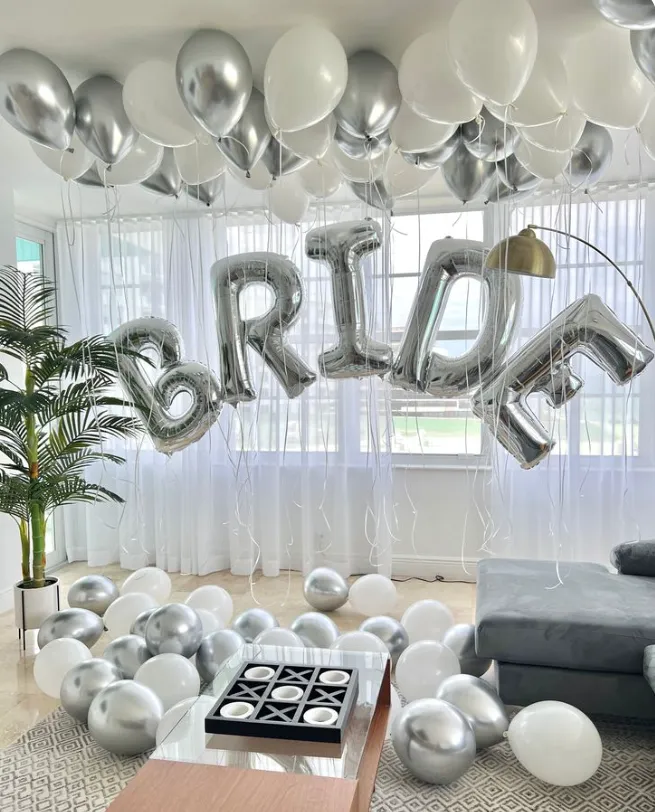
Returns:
point(634, 558)
point(566, 615)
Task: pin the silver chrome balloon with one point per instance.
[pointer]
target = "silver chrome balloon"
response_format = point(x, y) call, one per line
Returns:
point(166, 180)
point(343, 246)
point(433, 740)
point(124, 716)
point(361, 148)
point(591, 156)
point(498, 190)
point(374, 193)
point(466, 176)
point(92, 178)
point(152, 400)
point(586, 326)
point(208, 192)
point(174, 628)
point(281, 161)
point(433, 158)
point(635, 14)
point(139, 625)
point(643, 50)
point(253, 622)
point(480, 705)
point(245, 143)
point(83, 683)
point(214, 650)
point(325, 589)
point(128, 653)
point(372, 98)
point(101, 121)
point(315, 629)
point(93, 592)
point(264, 333)
point(81, 624)
point(460, 639)
point(36, 99)
point(214, 78)
point(390, 631)
point(489, 138)
point(515, 175)
point(421, 369)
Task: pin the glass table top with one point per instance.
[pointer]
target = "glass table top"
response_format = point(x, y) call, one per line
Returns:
point(188, 742)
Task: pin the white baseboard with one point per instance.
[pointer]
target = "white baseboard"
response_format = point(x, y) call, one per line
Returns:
point(450, 569)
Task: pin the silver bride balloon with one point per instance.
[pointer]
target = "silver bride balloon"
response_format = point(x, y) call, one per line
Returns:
point(343, 246)
point(421, 369)
point(124, 716)
point(466, 176)
point(390, 631)
point(153, 399)
point(281, 161)
point(361, 148)
point(480, 705)
point(128, 653)
point(214, 650)
point(81, 624)
point(514, 175)
point(93, 592)
point(643, 50)
point(208, 192)
point(372, 98)
point(245, 143)
point(36, 99)
point(214, 78)
point(324, 589)
point(433, 158)
point(635, 14)
point(586, 326)
point(139, 625)
point(167, 179)
point(315, 630)
point(264, 333)
point(83, 683)
point(374, 193)
point(489, 138)
point(253, 622)
point(460, 639)
point(174, 628)
point(591, 156)
point(433, 740)
point(101, 121)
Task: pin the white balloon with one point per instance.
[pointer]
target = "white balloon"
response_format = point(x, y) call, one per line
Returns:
point(413, 133)
point(359, 641)
point(493, 46)
point(368, 169)
point(171, 676)
point(288, 200)
point(210, 622)
point(139, 163)
point(422, 667)
point(185, 721)
point(403, 178)
point(373, 594)
point(560, 135)
point(429, 84)
point(647, 130)
point(606, 83)
point(312, 142)
point(214, 599)
point(394, 710)
point(556, 742)
point(151, 580)
point(122, 613)
point(305, 76)
point(543, 163)
point(69, 163)
point(154, 106)
point(55, 660)
point(427, 620)
point(279, 637)
point(199, 163)
point(319, 179)
point(258, 179)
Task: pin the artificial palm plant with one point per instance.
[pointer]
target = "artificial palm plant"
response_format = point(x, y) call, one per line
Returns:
point(53, 425)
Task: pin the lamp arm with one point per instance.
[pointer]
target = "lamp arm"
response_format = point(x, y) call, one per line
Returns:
point(621, 273)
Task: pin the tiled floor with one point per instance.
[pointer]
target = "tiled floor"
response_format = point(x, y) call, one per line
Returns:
point(22, 704)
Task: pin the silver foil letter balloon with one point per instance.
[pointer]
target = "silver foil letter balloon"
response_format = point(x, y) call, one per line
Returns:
point(265, 333)
point(343, 246)
point(419, 368)
point(587, 326)
point(153, 400)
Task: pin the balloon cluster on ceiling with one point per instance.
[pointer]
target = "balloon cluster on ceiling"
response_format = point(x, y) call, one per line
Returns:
point(495, 127)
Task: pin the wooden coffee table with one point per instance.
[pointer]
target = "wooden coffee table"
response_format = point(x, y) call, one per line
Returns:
point(193, 772)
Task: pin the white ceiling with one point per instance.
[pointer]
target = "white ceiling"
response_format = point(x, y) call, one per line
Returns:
point(88, 36)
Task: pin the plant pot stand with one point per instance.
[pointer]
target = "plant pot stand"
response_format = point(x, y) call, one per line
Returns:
point(32, 606)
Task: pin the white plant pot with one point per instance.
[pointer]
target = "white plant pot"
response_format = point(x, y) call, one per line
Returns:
point(33, 605)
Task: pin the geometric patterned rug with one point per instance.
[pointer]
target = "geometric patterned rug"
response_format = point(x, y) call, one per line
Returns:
point(57, 767)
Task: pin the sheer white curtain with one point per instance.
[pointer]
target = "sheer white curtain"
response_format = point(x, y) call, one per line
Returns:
point(597, 488)
point(277, 483)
